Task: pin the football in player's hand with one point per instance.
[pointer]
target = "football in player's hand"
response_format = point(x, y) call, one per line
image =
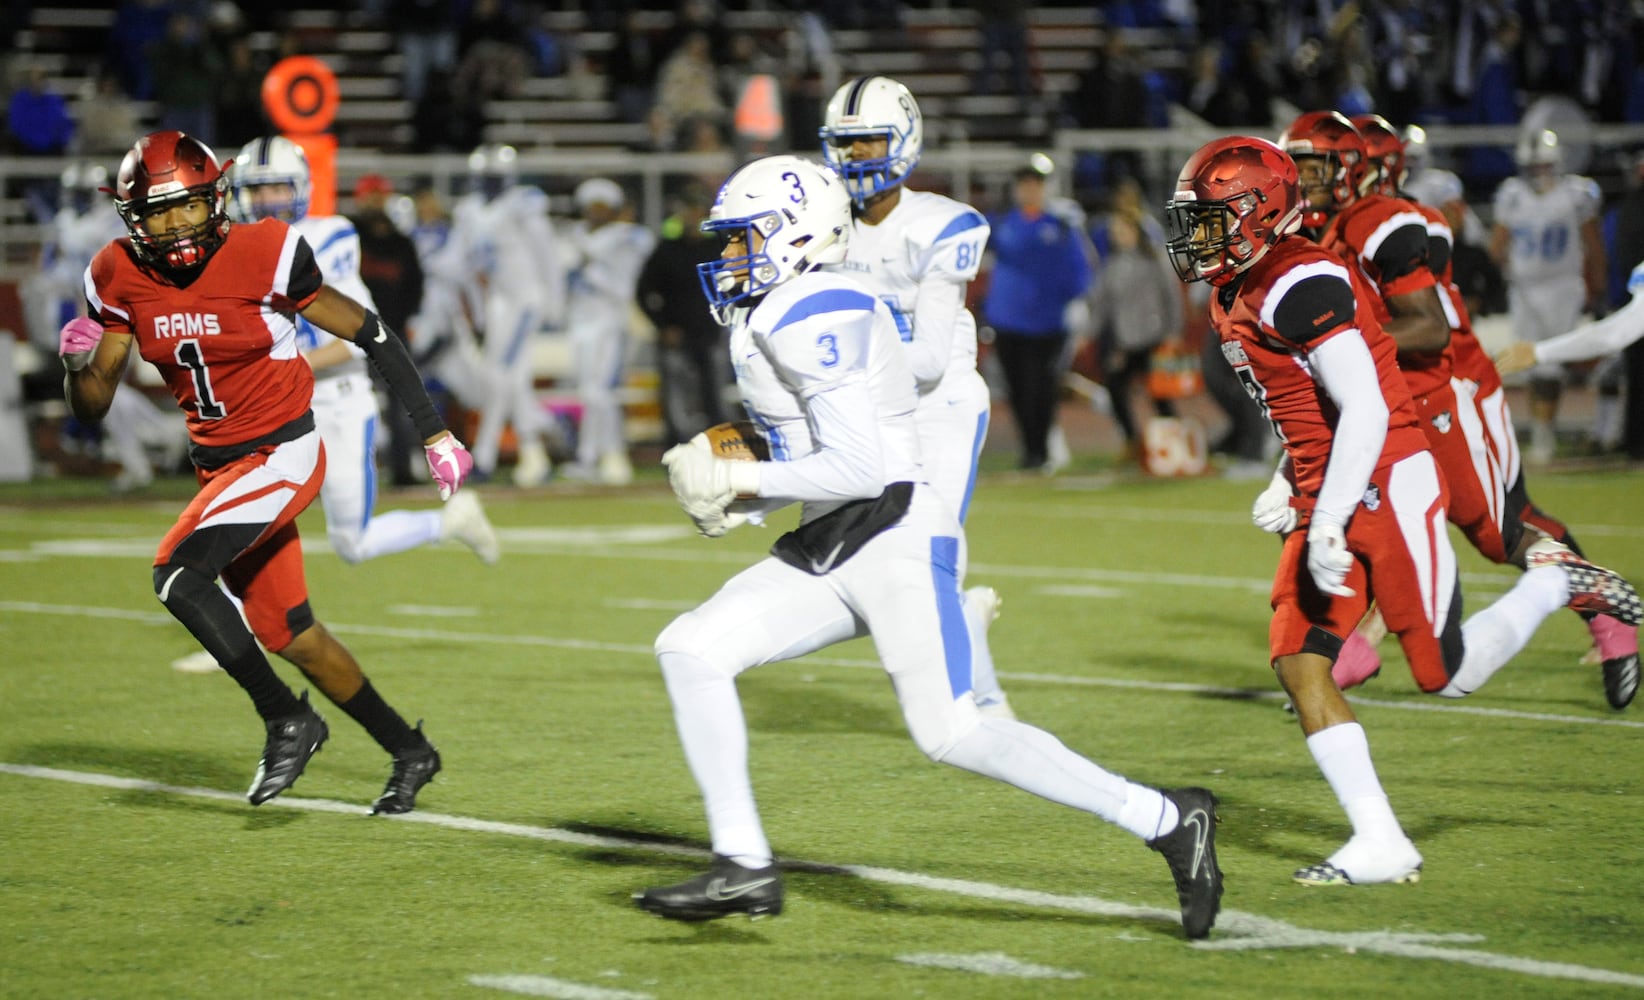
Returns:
point(739, 441)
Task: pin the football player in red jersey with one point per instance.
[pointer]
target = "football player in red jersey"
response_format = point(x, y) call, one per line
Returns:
point(1492, 439)
point(1358, 499)
point(211, 305)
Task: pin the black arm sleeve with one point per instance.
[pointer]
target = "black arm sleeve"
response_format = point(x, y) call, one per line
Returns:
point(388, 355)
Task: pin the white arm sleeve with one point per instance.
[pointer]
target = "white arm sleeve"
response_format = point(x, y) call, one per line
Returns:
point(848, 463)
point(935, 316)
point(1343, 366)
point(1598, 339)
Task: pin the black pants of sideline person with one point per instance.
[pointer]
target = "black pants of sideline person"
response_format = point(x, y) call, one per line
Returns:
point(1032, 364)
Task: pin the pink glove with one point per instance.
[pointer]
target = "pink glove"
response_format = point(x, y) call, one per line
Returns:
point(449, 463)
point(77, 341)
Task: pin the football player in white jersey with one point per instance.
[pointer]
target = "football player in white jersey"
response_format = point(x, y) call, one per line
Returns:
point(1546, 239)
point(518, 277)
point(85, 221)
point(270, 179)
point(916, 252)
point(609, 254)
point(826, 381)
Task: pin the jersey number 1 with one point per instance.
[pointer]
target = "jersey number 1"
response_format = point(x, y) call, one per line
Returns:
point(188, 355)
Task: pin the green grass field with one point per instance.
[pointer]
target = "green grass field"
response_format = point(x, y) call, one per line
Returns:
point(1134, 627)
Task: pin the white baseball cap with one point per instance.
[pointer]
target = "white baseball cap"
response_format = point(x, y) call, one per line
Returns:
point(599, 191)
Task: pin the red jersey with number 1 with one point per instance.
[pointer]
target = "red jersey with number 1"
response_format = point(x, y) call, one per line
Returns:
point(1293, 299)
point(225, 341)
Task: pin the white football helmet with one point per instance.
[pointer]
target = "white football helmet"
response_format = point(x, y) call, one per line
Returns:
point(792, 214)
point(872, 107)
point(80, 183)
point(1539, 158)
point(492, 169)
point(270, 162)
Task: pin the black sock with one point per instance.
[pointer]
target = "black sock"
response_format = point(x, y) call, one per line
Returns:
point(212, 619)
point(382, 722)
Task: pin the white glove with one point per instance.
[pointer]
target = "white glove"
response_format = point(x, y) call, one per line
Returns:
point(1272, 510)
point(720, 524)
point(1328, 558)
point(701, 482)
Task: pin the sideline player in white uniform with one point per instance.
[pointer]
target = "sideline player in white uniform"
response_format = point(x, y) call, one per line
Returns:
point(824, 377)
point(1599, 339)
point(441, 325)
point(1546, 239)
point(916, 251)
point(84, 223)
point(610, 252)
point(519, 281)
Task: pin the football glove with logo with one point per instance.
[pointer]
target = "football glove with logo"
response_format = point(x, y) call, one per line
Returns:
point(77, 341)
point(449, 463)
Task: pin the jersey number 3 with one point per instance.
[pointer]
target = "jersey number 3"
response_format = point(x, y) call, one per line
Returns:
point(188, 355)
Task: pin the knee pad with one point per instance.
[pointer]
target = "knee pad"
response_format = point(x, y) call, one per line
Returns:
point(685, 636)
point(347, 545)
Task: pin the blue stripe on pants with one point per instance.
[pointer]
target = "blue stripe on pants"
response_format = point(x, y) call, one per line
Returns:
point(944, 571)
point(370, 472)
point(975, 457)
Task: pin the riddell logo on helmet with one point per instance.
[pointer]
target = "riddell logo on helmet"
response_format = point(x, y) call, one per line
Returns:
point(187, 325)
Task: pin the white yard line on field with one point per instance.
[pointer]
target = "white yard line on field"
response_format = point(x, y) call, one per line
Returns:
point(646, 649)
point(1235, 929)
point(559, 989)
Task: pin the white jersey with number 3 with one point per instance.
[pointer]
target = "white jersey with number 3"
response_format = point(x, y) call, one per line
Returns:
point(803, 356)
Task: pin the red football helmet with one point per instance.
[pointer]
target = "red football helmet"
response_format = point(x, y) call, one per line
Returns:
point(1330, 136)
point(1384, 151)
point(165, 169)
point(1235, 198)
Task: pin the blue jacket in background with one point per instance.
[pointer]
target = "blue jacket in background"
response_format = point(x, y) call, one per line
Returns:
point(1039, 267)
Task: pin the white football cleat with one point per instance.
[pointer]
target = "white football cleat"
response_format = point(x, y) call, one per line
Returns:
point(615, 469)
point(199, 662)
point(464, 520)
point(1362, 861)
point(534, 467)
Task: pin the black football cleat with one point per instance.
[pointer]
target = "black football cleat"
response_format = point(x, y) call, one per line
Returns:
point(727, 888)
point(1190, 849)
point(1621, 680)
point(412, 770)
point(292, 739)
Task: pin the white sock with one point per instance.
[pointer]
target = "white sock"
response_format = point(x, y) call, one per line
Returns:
point(714, 734)
point(1035, 761)
point(984, 681)
point(397, 531)
point(1343, 755)
point(1496, 634)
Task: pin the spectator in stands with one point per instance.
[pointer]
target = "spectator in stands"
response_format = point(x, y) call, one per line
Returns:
point(37, 118)
point(427, 34)
point(138, 26)
point(1113, 94)
point(1004, 30)
point(186, 69)
point(491, 59)
point(1136, 309)
point(1039, 266)
point(108, 118)
point(239, 105)
point(392, 272)
point(692, 361)
point(1210, 94)
point(446, 119)
point(688, 83)
point(632, 66)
